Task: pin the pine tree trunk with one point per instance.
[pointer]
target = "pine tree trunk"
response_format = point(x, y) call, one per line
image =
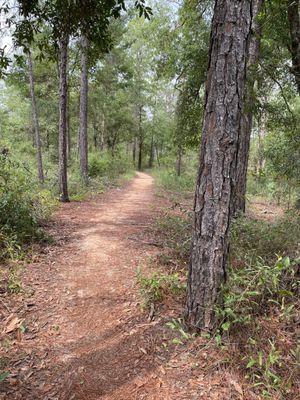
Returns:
point(35, 118)
point(224, 97)
point(63, 94)
point(83, 139)
point(294, 24)
point(247, 114)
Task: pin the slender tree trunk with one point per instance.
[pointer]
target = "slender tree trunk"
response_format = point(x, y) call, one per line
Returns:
point(224, 97)
point(63, 93)
point(157, 155)
point(151, 155)
point(261, 136)
point(68, 128)
point(140, 157)
point(294, 24)
point(179, 160)
point(35, 118)
point(95, 135)
point(83, 139)
point(102, 134)
point(134, 151)
point(247, 114)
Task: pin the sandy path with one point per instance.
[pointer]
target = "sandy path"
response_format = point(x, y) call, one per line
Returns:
point(97, 346)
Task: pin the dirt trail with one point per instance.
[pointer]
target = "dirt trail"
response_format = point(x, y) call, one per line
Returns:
point(98, 349)
point(99, 280)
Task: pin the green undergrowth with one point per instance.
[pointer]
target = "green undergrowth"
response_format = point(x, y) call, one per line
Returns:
point(24, 208)
point(261, 305)
point(157, 286)
point(182, 186)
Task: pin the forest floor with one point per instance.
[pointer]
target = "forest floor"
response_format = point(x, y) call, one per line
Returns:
point(77, 330)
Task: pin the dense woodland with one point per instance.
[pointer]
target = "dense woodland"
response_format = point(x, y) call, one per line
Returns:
point(204, 96)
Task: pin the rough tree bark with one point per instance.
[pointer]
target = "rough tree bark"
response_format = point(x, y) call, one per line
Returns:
point(224, 98)
point(294, 24)
point(63, 94)
point(83, 139)
point(37, 135)
point(247, 114)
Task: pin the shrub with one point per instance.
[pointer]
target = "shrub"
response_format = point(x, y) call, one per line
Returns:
point(167, 178)
point(260, 305)
point(22, 207)
point(157, 286)
point(103, 164)
point(251, 290)
point(253, 239)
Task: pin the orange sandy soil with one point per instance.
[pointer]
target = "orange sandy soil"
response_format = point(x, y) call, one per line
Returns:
point(86, 335)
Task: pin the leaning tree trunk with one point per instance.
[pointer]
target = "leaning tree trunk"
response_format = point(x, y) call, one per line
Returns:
point(224, 97)
point(37, 134)
point(247, 114)
point(83, 139)
point(294, 24)
point(63, 94)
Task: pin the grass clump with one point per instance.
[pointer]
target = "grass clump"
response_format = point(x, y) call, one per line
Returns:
point(156, 287)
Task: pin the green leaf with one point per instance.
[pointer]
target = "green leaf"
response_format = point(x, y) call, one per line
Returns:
point(3, 376)
point(251, 362)
point(226, 326)
point(177, 341)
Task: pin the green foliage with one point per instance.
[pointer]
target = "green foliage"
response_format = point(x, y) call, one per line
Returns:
point(262, 367)
point(176, 232)
point(158, 286)
point(104, 164)
point(14, 281)
point(3, 376)
point(177, 325)
point(253, 289)
point(254, 294)
point(167, 178)
point(22, 207)
point(256, 239)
